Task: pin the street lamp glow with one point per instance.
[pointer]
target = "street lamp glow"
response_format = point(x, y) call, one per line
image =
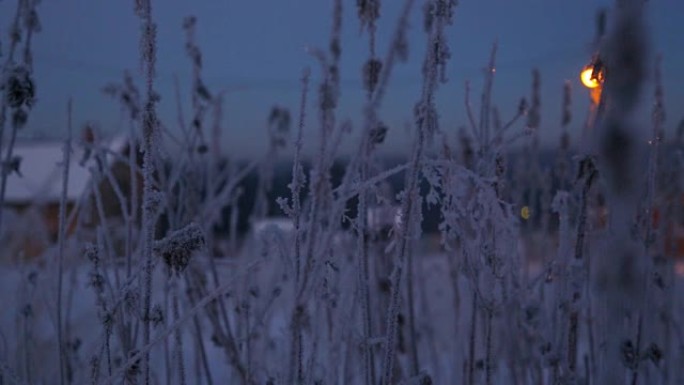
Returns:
point(588, 79)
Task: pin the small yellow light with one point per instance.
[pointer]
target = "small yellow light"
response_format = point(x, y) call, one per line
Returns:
point(588, 80)
point(525, 212)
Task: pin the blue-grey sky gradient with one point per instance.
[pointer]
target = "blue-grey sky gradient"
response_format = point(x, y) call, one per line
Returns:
point(256, 50)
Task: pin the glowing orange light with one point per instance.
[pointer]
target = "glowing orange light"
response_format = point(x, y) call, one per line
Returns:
point(588, 79)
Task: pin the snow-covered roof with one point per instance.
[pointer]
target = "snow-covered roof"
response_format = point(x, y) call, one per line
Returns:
point(41, 171)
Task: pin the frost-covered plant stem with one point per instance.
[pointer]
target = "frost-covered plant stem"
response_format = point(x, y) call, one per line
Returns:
point(202, 351)
point(27, 333)
point(5, 169)
point(296, 183)
point(488, 169)
point(178, 334)
point(489, 365)
point(369, 12)
point(587, 177)
point(472, 338)
point(410, 294)
point(364, 282)
point(148, 56)
point(61, 239)
point(15, 36)
point(426, 124)
point(486, 104)
point(295, 212)
point(319, 180)
point(168, 361)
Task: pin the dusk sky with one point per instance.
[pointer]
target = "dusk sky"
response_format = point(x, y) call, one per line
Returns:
point(255, 50)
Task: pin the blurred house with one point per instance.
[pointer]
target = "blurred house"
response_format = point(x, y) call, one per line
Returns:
point(33, 193)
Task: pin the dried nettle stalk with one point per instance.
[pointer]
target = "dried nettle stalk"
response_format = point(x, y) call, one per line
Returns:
point(438, 15)
point(622, 271)
point(148, 55)
point(17, 88)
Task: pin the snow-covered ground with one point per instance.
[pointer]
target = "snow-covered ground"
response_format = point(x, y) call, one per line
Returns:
point(257, 290)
